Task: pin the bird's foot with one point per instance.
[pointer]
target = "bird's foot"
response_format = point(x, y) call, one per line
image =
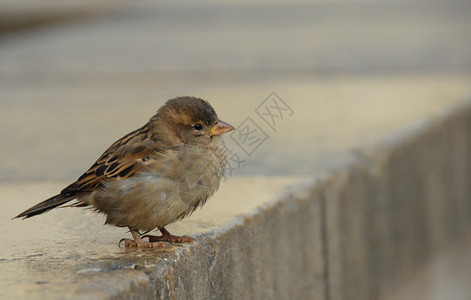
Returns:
point(140, 243)
point(127, 242)
point(168, 237)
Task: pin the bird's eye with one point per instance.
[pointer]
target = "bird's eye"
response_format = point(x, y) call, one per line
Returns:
point(198, 126)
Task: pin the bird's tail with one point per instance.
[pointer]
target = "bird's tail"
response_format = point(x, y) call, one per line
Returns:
point(46, 205)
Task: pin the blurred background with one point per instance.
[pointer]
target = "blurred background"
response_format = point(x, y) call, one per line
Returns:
point(77, 75)
point(311, 79)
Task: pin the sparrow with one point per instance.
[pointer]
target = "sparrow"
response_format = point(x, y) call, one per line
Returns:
point(154, 175)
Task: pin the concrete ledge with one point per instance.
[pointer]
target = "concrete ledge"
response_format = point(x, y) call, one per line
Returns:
point(399, 204)
point(274, 252)
point(357, 233)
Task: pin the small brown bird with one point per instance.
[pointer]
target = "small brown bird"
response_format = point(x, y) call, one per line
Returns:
point(155, 175)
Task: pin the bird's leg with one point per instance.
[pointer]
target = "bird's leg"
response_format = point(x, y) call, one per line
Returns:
point(168, 237)
point(137, 241)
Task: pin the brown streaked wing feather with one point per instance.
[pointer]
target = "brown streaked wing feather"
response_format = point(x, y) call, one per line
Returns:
point(121, 160)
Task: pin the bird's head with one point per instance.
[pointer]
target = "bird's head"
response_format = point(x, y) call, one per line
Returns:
point(188, 120)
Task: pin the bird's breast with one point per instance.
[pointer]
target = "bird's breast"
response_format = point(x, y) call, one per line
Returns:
point(201, 170)
point(168, 190)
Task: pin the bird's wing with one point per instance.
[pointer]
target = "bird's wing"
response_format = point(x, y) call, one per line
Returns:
point(121, 160)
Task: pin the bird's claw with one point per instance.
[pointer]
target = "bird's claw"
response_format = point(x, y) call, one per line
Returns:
point(127, 242)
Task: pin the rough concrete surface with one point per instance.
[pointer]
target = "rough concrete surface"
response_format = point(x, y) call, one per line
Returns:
point(403, 202)
point(359, 189)
point(429, 282)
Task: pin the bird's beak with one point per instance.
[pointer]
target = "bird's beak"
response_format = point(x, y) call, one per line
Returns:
point(220, 128)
